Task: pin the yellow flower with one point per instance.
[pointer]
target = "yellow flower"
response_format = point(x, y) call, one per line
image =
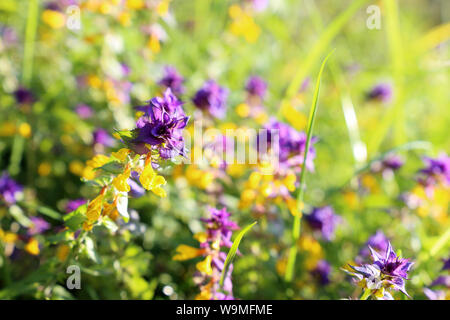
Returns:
point(8, 237)
point(205, 292)
point(292, 206)
point(32, 247)
point(87, 226)
point(243, 110)
point(243, 24)
point(153, 182)
point(200, 237)
point(7, 129)
point(135, 4)
point(163, 7)
point(94, 208)
point(54, 19)
point(289, 181)
point(121, 155)
point(97, 161)
point(153, 44)
point(120, 182)
point(205, 266)
point(24, 130)
point(44, 169)
point(185, 252)
point(295, 118)
point(62, 252)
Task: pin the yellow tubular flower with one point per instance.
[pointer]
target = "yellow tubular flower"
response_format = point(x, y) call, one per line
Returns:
point(97, 161)
point(151, 181)
point(121, 155)
point(94, 208)
point(205, 266)
point(62, 252)
point(185, 252)
point(200, 237)
point(120, 182)
point(54, 19)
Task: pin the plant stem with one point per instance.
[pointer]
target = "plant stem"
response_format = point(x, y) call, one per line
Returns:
point(366, 294)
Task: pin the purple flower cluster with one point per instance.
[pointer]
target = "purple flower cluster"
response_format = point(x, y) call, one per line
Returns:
point(173, 80)
point(437, 170)
point(220, 226)
point(9, 189)
point(24, 96)
point(381, 92)
point(212, 98)
point(292, 144)
point(324, 220)
point(102, 137)
point(322, 272)
point(84, 111)
point(256, 87)
point(161, 126)
point(388, 271)
point(378, 241)
point(73, 205)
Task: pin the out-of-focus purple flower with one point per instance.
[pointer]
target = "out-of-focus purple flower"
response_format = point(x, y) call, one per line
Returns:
point(434, 294)
point(173, 80)
point(441, 281)
point(162, 126)
point(322, 272)
point(292, 144)
point(9, 36)
point(437, 169)
point(220, 225)
point(212, 98)
point(24, 96)
point(381, 92)
point(84, 111)
point(9, 189)
point(256, 86)
point(325, 220)
point(446, 265)
point(73, 205)
point(393, 162)
point(136, 189)
point(259, 5)
point(102, 137)
point(39, 225)
point(378, 241)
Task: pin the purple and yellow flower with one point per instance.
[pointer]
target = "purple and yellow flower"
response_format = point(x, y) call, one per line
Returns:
point(256, 87)
point(381, 92)
point(212, 99)
point(378, 241)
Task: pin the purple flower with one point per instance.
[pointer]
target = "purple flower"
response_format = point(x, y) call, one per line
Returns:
point(378, 241)
point(256, 86)
point(161, 126)
point(9, 189)
point(84, 111)
point(24, 96)
point(325, 220)
point(173, 80)
point(73, 205)
point(136, 189)
point(212, 98)
point(386, 272)
point(219, 225)
point(446, 265)
point(392, 162)
point(441, 281)
point(381, 92)
point(39, 225)
point(434, 295)
point(437, 169)
point(322, 272)
point(292, 144)
point(102, 137)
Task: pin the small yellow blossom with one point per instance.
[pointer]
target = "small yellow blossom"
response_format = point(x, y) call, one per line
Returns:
point(122, 154)
point(185, 252)
point(62, 252)
point(54, 19)
point(120, 182)
point(44, 169)
point(94, 208)
point(205, 266)
point(24, 130)
point(32, 247)
point(153, 182)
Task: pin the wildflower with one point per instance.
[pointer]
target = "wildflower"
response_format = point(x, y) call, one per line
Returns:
point(120, 182)
point(325, 220)
point(136, 189)
point(436, 171)
point(62, 252)
point(39, 225)
point(32, 247)
point(73, 205)
point(243, 24)
point(151, 181)
point(84, 111)
point(322, 272)
point(24, 96)
point(101, 137)
point(381, 92)
point(292, 145)
point(378, 242)
point(173, 80)
point(446, 264)
point(218, 234)
point(212, 98)
point(10, 190)
point(387, 272)
point(53, 17)
point(160, 127)
point(256, 87)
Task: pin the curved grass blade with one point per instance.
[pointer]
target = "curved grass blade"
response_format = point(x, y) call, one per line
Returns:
point(233, 250)
point(296, 226)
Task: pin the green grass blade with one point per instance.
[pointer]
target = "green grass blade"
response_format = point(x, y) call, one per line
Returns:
point(233, 250)
point(296, 226)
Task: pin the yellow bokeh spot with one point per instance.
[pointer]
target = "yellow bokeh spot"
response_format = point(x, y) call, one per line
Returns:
point(32, 247)
point(24, 130)
point(62, 252)
point(54, 19)
point(184, 252)
point(44, 169)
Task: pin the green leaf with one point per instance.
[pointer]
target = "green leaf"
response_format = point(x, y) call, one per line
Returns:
point(233, 250)
point(75, 219)
point(49, 212)
point(112, 167)
point(109, 224)
point(89, 249)
point(20, 217)
point(296, 226)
